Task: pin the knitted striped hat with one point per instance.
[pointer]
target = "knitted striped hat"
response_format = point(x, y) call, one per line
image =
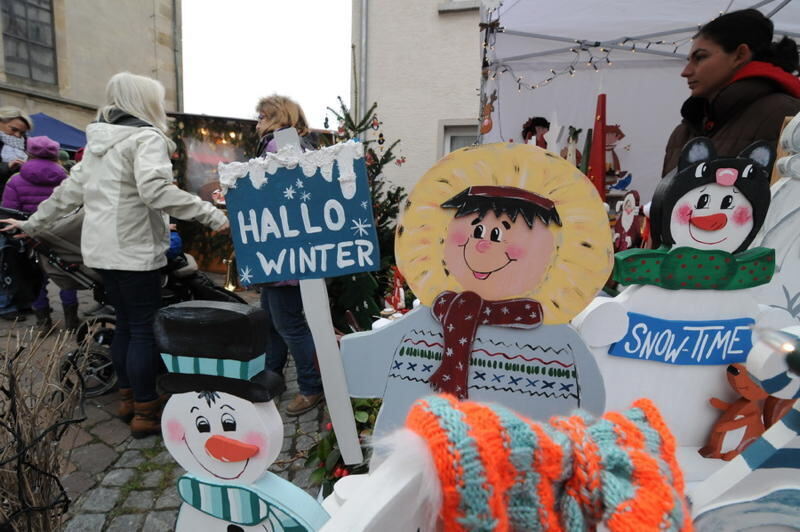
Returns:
point(500, 471)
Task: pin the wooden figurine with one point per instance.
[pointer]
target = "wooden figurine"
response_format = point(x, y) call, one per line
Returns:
point(628, 226)
point(745, 412)
point(503, 245)
point(689, 307)
point(221, 423)
point(760, 487)
point(487, 108)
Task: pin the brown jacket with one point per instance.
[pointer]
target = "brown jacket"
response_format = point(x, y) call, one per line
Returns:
point(745, 111)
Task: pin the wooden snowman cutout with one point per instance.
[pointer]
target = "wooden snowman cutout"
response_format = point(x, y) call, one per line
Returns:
point(503, 244)
point(689, 309)
point(221, 423)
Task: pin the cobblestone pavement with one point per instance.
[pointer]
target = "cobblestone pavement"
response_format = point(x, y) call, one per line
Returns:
point(117, 483)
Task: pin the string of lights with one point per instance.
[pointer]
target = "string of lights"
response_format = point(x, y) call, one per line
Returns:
point(594, 54)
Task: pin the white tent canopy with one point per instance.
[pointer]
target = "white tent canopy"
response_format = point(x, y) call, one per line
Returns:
point(553, 57)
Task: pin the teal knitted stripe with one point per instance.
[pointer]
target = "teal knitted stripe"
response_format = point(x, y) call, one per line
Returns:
point(570, 509)
point(474, 497)
point(653, 445)
point(617, 470)
point(523, 504)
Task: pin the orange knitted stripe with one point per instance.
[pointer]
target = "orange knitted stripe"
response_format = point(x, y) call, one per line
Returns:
point(668, 448)
point(586, 467)
point(494, 447)
point(547, 459)
point(652, 499)
point(448, 461)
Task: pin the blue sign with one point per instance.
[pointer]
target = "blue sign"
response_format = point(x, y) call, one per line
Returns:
point(685, 342)
point(305, 219)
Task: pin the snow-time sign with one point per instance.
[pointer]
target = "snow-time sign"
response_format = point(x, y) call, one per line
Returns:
point(300, 216)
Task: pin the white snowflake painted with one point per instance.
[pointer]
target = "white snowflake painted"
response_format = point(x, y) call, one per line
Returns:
point(360, 227)
point(245, 275)
point(305, 196)
point(288, 193)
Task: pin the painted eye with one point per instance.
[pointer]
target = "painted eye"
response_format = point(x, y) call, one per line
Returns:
point(478, 232)
point(727, 202)
point(702, 201)
point(700, 169)
point(202, 424)
point(495, 235)
point(228, 422)
point(747, 170)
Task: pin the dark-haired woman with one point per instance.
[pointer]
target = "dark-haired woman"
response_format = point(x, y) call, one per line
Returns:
point(742, 85)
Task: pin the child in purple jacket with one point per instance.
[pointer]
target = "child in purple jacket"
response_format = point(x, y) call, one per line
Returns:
point(36, 180)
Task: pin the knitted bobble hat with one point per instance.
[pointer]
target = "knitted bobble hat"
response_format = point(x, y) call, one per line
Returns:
point(43, 148)
point(501, 472)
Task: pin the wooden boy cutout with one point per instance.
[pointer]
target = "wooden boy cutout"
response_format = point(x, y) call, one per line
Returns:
point(503, 244)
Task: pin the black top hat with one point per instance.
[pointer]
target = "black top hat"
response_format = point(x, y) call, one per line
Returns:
point(216, 346)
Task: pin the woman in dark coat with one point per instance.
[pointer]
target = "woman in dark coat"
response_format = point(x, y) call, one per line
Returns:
point(742, 85)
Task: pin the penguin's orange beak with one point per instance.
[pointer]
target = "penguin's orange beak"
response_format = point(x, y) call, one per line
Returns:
point(230, 450)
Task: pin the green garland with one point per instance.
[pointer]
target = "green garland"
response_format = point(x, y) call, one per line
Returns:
point(686, 268)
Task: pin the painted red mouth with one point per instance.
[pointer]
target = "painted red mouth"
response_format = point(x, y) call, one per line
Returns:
point(703, 241)
point(482, 276)
point(246, 463)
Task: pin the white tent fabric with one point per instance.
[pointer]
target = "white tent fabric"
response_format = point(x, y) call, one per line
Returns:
point(644, 88)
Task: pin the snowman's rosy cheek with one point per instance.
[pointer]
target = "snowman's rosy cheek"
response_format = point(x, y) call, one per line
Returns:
point(256, 438)
point(683, 213)
point(175, 430)
point(742, 215)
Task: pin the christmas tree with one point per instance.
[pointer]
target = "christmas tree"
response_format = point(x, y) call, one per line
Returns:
point(362, 294)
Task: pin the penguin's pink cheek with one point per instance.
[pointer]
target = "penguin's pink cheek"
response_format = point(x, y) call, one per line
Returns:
point(742, 215)
point(683, 213)
point(256, 438)
point(175, 430)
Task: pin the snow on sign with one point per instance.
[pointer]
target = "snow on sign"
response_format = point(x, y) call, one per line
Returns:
point(301, 215)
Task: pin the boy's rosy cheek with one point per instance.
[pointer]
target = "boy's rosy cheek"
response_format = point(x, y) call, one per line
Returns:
point(516, 252)
point(457, 237)
point(682, 213)
point(175, 430)
point(742, 215)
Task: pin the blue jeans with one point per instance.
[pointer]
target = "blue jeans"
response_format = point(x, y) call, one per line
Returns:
point(136, 297)
point(287, 331)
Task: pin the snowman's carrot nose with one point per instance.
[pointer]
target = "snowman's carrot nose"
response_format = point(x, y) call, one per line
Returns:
point(229, 450)
point(712, 222)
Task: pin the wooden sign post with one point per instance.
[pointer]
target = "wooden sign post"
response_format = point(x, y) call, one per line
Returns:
point(306, 216)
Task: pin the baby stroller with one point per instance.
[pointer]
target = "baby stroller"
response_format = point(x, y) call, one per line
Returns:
point(57, 251)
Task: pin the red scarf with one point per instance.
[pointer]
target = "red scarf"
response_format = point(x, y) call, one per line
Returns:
point(460, 316)
point(789, 83)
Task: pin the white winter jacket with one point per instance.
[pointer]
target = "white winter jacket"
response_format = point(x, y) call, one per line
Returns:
point(125, 185)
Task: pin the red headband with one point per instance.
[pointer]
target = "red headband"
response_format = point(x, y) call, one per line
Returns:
point(510, 193)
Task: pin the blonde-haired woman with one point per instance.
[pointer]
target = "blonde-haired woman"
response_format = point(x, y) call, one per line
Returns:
point(14, 125)
point(288, 330)
point(125, 185)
